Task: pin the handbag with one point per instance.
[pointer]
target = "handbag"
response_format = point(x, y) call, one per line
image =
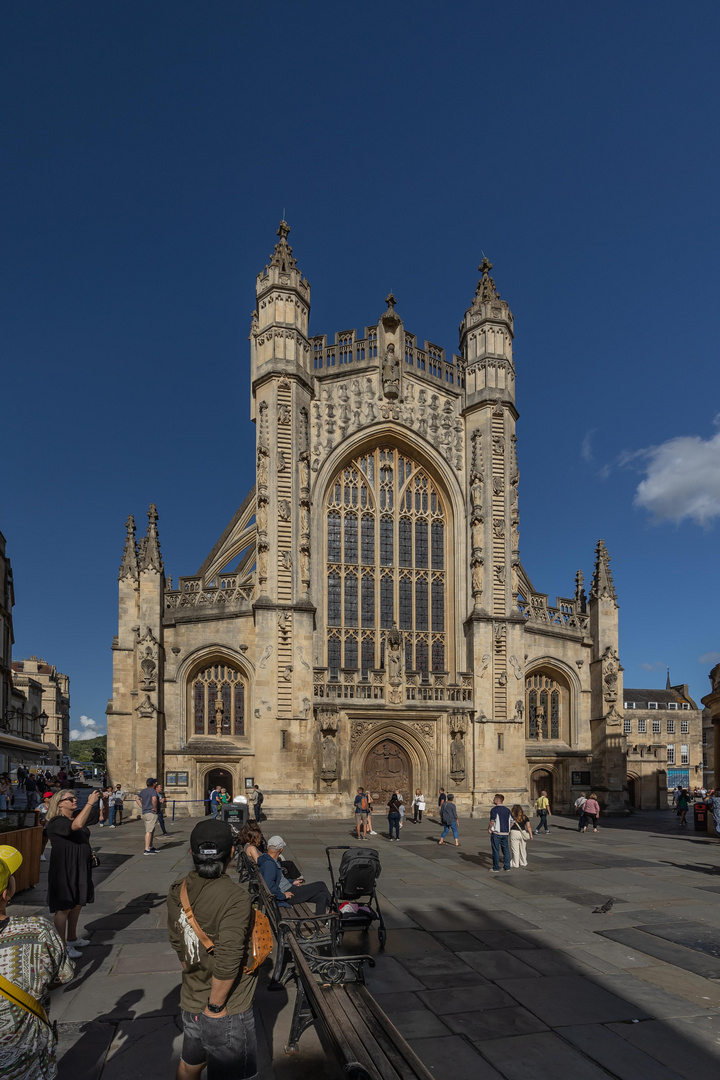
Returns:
point(94, 858)
point(260, 939)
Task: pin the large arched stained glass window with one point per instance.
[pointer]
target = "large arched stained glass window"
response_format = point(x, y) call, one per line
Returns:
point(218, 694)
point(547, 701)
point(386, 545)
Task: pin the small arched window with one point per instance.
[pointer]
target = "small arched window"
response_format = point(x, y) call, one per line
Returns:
point(218, 696)
point(547, 707)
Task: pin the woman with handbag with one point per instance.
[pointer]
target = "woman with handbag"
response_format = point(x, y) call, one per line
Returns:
point(591, 811)
point(32, 960)
point(70, 884)
point(418, 806)
point(394, 817)
point(520, 833)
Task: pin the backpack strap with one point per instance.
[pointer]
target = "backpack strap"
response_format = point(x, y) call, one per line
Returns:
point(20, 997)
point(190, 915)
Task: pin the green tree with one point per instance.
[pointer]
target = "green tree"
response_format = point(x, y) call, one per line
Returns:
point(98, 755)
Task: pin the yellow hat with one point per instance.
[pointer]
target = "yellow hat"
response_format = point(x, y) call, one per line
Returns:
point(10, 861)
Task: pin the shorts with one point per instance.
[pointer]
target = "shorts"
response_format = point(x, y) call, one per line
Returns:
point(226, 1043)
point(362, 814)
point(150, 820)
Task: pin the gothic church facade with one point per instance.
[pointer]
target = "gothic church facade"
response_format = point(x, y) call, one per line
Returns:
point(379, 626)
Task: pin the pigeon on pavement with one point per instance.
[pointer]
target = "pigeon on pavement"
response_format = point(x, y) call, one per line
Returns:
point(606, 907)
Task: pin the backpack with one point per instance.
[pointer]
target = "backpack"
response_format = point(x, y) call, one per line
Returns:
point(364, 804)
point(260, 798)
point(259, 940)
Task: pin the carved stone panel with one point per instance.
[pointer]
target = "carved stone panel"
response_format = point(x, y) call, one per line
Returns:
point(387, 769)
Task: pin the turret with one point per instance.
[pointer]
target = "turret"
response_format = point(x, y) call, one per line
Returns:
point(486, 344)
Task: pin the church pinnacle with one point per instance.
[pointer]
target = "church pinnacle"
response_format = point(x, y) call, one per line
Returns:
point(486, 286)
point(602, 587)
point(129, 564)
point(149, 555)
point(282, 257)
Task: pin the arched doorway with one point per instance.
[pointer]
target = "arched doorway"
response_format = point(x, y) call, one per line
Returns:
point(631, 790)
point(212, 779)
point(542, 780)
point(387, 769)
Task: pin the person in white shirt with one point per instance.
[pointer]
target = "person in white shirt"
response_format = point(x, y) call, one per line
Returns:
point(579, 803)
point(418, 806)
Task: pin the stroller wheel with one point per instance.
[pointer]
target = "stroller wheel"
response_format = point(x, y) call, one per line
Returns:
point(382, 936)
point(338, 939)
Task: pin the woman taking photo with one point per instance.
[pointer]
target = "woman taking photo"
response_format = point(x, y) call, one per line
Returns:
point(520, 833)
point(70, 884)
point(394, 817)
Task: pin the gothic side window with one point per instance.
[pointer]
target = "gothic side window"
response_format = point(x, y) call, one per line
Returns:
point(547, 707)
point(386, 536)
point(218, 695)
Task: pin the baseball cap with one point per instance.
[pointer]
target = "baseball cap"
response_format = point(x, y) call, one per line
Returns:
point(10, 861)
point(48, 795)
point(276, 842)
point(211, 837)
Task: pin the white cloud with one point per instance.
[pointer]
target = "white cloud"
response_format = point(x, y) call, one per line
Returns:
point(653, 667)
point(682, 479)
point(586, 450)
point(88, 729)
point(709, 658)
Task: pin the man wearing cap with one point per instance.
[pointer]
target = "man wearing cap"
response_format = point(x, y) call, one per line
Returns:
point(148, 802)
point(32, 958)
point(216, 997)
point(284, 892)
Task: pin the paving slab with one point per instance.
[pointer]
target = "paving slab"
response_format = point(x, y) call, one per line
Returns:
point(653, 1000)
point(144, 1049)
point(674, 1046)
point(460, 941)
point(484, 1024)
point(615, 1054)
point(119, 997)
point(453, 1057)
point(560, 1000)
point(496, 964)
point(390, 977)
point(82, 1048)
point(418, 1024)
point(443, 1002)
point(544, 1056)
point(430, 967)
point(664, 948)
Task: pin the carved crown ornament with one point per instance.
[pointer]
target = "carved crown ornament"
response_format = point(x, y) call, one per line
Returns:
point(327, 717)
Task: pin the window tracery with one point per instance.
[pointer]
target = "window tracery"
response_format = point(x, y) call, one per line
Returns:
point(547, 707)
point(217, 695)
point(385, 542)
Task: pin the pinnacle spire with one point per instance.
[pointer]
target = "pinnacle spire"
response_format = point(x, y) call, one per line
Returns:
point(282, 257)
point(149, 554)
point(667, 683)
point(129, 564)
point(486, 286)
point(602, 587)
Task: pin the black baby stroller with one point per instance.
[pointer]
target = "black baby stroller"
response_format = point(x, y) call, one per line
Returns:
point(354, 891)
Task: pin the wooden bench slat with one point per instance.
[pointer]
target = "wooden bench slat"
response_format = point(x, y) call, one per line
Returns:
point(363, 1046)
point(394, 1045)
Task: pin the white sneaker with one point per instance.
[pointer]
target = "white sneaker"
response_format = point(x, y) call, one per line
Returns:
point(78, 943)
point(102, 824)
point(111, 826)
point(74, 954)
point(43, 858)
point(372, 832)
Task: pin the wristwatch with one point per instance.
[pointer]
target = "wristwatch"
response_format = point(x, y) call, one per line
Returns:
point(215, 1008)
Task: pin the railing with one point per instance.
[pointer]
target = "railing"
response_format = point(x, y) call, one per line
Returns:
point(565, 614)
point(193, 593)
point(348, 685)
point(347, 349)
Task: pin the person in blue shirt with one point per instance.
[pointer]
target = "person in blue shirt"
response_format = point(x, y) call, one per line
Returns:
point(287, 893)
point(499, 830)
point(215, 800)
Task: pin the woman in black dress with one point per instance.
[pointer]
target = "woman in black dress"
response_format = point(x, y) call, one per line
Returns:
point(70, 884)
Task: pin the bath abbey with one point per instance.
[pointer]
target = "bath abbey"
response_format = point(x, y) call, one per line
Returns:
point(366, 618)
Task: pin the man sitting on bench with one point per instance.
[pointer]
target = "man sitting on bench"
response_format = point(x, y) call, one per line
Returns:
point(288, 893)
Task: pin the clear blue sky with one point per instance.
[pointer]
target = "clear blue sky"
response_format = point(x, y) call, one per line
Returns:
point(150, 150)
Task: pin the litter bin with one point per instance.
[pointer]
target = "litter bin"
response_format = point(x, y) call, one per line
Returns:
point(700, 810)
point(236, 814)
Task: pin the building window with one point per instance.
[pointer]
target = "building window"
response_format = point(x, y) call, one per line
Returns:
point(671, 727)
point(627, 726)
point(652, 704)
point(672, 704)
point(501, 741)
point(704, 760)
point(218, 695)
point(547, 705)
point(401, 575)
point(684, 754)
point(642, 726)
point(629, 705)
point(685, 705)
point(704, 738)
point(684, 727)
point(670, 755)
point(656, 727)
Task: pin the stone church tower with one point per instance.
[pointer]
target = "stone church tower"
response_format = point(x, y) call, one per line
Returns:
point(378, 627)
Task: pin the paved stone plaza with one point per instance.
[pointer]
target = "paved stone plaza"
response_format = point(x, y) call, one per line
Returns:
point(487, 976)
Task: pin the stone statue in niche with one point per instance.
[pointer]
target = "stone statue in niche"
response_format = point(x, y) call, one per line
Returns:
point(477, 534)
point(261, 517)
point(391, 373)
point(262, 563)
point(281, 463)
point(500, 575)
point(262, 467)
point(498, 444)
point(304, 473)
point(329, 755)
point(498, 486)
point(476, 491)
point(498, 528)
point(610, 667)
point(305, 519)
point(284, 510)
point(263, 436)
point(304, 565)
point(519, 709)
point(515, 534)
point(284, 414)
point(394, 654)
point(477, 578)
point(457, 756)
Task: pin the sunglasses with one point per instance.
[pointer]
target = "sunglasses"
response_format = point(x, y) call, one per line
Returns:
point(70, 798)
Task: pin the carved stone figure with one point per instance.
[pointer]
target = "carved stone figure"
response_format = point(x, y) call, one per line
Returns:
point(266, 654)
point(262, 563)
point(476, 492)
point(281, 463)
point(261, 517)
point(262, 467)
point(477, 534)
point(394, 661)
point(304, 473)
point(477, 579)
point(519, 709)
point(284, 510)
point(515, 665)
point(498, 486)
point(304, 564)
point(284, 414)
point(329, 755)
point(148, 668)
point(498, 528)
point(498, 444)
point(391, 373)
point(304, 519)
point(286, 560)
point(485, 661)
point(500, 575)
point(457, 756)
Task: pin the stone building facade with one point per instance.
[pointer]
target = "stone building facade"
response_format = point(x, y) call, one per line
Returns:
point(664, 733)
point(711, 702)
point(378, 626)
point(55, 703)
